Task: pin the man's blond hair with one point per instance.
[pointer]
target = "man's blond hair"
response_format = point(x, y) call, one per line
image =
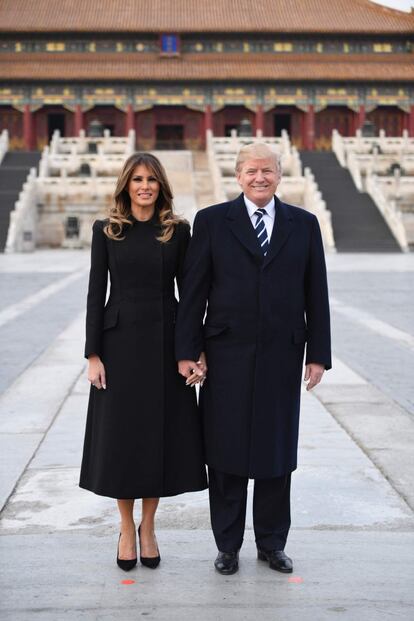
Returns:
point(257, 151)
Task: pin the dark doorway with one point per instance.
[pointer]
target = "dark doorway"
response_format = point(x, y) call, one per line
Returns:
point(169, 136)
point(229, 128)
point(282, 121)
point(109, 126)
point(55, 121)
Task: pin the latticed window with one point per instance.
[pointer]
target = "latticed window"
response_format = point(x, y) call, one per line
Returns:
point(55, 46)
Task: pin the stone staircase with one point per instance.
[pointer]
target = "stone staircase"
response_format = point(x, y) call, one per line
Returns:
point(358, 225)
point(13, 173)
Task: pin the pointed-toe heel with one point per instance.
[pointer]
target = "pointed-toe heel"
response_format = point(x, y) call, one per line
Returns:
point(148, 561)
point(125, 564)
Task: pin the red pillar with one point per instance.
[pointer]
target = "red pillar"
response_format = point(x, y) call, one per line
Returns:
point(28, 128)
point(208, 118)
point(310, 129)
point(260, 118)
point(361, 116)
point(130, 119)
point(411, 122)
point(78, 119)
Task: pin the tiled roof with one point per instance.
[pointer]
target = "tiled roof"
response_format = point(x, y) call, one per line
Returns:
point(150, 67)
point(352, 16)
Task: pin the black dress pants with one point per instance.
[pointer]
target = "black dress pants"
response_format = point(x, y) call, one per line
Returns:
point(271, 510)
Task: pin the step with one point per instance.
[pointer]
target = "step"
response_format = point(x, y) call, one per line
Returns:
point(11, 179)
point(21, 158)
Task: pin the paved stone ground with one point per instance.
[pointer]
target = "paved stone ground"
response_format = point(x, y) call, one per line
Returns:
point(352, 496)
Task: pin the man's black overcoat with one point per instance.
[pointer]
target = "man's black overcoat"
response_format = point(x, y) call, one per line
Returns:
point(143, 433)
point(260, 313)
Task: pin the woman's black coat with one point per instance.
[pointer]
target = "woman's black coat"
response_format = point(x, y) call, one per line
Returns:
point(143, 434)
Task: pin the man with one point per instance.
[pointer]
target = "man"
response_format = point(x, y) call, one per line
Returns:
point(258, 266)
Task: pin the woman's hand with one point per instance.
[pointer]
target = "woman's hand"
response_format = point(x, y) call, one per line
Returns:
point(96, 372)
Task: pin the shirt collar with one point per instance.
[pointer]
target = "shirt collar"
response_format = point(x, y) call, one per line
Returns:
point(251, 207)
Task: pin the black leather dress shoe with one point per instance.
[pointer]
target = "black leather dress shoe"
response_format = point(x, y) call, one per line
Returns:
point(227, 563)
point(277, 559)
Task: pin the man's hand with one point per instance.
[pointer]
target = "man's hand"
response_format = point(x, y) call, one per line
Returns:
point(96, 372)
point(313, 374)
point(192, 371)
point(202, 365)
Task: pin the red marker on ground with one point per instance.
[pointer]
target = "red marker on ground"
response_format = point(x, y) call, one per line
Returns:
point(295, 579)
point(127, 581)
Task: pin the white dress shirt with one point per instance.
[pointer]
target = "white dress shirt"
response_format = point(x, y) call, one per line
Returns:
point(268, 217)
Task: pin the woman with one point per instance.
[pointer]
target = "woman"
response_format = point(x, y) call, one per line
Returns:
point(143, 433)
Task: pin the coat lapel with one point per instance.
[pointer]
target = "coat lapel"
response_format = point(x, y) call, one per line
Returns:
point(282, 228)
point(239, 222)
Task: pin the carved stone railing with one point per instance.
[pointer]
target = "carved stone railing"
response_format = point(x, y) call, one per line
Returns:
point(338, 147)
point(70, 154)
point(216, 177)
point(105, 144)
point(355, 170)
point(4, 144)
point(21, 236)
point(225, 150)
point(386, 145)
point(313, 202)
point(388, 205)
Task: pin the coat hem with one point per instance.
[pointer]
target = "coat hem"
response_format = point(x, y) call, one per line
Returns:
point(250, 475)
point(138, 495)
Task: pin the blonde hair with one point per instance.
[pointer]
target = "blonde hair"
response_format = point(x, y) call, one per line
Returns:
point(120, 212)
point(257, 150)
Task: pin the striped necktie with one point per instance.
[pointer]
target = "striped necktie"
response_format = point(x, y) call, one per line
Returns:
point(261, 230)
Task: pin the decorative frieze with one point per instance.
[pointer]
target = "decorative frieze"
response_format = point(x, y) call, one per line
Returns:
point(172, 44)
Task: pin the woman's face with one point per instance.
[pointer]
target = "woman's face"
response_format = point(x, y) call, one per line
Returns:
point(143, 187)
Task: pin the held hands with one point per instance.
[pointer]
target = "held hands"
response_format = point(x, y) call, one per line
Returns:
point(96, 372)
point(313, 374)
point(194, 372)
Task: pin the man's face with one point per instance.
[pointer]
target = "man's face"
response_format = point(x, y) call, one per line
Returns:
point(259, 178)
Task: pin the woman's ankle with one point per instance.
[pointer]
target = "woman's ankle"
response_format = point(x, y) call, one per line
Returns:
point(127, 527)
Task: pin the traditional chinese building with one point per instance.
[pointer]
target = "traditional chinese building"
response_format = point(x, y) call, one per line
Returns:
point(172, 69)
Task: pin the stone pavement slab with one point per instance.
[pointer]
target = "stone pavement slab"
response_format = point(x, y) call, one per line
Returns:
point(373, 322)
point(29, 405)
point(338, 575)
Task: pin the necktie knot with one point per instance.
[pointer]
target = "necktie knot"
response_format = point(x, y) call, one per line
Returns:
point(260, 213)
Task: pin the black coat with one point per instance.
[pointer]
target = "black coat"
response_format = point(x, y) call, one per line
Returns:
point(143, 433)
point(260, 313)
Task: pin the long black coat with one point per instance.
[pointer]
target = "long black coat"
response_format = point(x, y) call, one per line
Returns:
point(260, 313)
point(143, 433)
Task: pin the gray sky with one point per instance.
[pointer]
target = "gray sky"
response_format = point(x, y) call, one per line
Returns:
point(401, 5)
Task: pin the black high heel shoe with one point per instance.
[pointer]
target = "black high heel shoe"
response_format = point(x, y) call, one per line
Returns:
point(148, 561)
point(125, 564)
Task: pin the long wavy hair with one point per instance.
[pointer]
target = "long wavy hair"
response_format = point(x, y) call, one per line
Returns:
point(120, 212)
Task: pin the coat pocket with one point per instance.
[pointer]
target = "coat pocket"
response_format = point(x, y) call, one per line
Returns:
point(210, 330)
point(110, 318)
point(300, 335)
